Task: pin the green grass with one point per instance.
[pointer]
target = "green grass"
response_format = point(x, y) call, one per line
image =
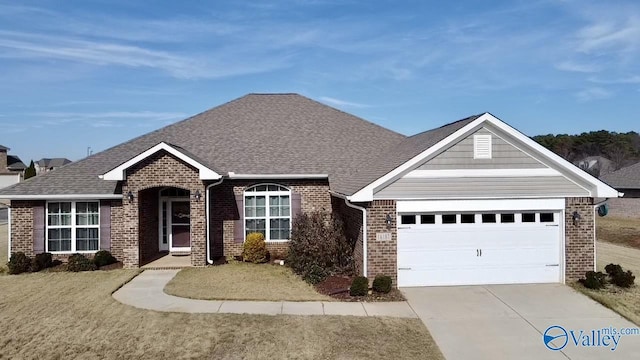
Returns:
point(72, 315)
point(242, 281)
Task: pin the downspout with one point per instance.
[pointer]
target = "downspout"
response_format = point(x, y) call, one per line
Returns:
point(206, 198)
point(364, 233)
point(9, 233)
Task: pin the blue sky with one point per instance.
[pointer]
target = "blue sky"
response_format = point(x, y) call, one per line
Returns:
point(78, 74)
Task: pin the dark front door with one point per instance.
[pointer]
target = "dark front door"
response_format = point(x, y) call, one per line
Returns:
point(180, 224)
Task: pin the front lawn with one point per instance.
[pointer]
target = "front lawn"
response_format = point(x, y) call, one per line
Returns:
point(621, 231)
point(242, 281)
point(625, 302)
point(72, 315)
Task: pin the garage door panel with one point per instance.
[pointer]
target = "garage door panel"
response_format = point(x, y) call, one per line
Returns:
point(449, 254)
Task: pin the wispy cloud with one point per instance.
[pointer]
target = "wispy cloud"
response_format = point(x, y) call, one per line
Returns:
point(593, 93)
point(338, 102)
point(572, 66)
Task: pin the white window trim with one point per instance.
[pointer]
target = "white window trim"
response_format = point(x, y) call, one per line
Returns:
point(267, 217)
point(73, 227)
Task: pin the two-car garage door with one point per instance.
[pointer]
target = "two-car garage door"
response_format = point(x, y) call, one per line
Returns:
point(482, 246)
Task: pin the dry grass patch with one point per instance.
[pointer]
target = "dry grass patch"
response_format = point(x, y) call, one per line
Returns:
point(625, 302)
point(242, 281)
point(621, 231)
point(72, 315)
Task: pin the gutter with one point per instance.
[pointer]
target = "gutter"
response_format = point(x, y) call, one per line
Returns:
point(233, 175)
point(208, 220)
point(63, 197)
point(9, 233)
point(364, 228)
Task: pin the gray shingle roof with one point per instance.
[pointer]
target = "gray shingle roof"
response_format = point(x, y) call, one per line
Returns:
point(255, 134)
point(14, 163)
point(258, 134)
point(4, 148)
point(625, 178)
point(52, 162)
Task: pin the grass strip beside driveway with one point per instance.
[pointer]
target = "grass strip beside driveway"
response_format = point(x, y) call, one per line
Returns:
point(242, 281)
point(72, 315)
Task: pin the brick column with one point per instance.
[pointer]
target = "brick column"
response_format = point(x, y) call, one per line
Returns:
point(198, 226)
point(580, 238)
point(382, 254)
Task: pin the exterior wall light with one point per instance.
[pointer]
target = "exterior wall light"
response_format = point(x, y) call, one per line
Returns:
point(130, 196)
point(197, 195)
point(388, 220)
point(576, 218)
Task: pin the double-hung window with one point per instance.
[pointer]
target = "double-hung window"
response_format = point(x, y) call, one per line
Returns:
point(267, 210)
point(73, 226)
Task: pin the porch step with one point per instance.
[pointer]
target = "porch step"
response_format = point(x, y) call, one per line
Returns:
point(170, 262)
point(180, 253)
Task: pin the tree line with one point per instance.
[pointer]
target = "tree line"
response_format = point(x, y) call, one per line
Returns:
point(621, 148)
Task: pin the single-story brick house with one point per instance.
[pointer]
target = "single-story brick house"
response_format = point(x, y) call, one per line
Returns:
point(627, 181)
point(471, 202)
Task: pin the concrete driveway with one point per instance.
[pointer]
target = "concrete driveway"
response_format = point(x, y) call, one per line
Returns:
point(507, 321)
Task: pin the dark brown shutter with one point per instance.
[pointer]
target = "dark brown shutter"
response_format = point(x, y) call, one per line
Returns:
point(105, 225)
point(38, 228)
point(238, 225)
point(296, 205)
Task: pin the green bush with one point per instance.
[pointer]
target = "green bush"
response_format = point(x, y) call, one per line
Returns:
point(594, 280)
point(255, 249)
point(623, 279)
point(318, 247)
point(41, 262)
point(104, 258)
point(314, 274)
point(79, 262)
point(19, 263)
point(359, 286)
point(382, 284)
point(613, 269)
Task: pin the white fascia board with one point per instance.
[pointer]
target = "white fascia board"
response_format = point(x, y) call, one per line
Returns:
point(63, 197)
point(366, 193)
point(479, 205)
point(478, 173)
point(118, 173)
point(601, 189)
point(233, 175)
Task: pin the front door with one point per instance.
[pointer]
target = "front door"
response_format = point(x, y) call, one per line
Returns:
point(180, 225)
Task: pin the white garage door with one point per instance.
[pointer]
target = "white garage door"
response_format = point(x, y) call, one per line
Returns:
point(479, 247)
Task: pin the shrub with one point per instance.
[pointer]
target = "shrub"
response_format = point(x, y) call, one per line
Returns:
point(359, 286)
point(318, 242)
point(623, 279)
point(594, 280)
point(19, 263)
point(314, 274)
point(613, 269)
point(382, 284)
point(104, 258)
point(41, 262)
point(255, 249)
point(79, 262)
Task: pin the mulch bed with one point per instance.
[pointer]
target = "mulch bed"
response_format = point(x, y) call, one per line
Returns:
point(338, 288)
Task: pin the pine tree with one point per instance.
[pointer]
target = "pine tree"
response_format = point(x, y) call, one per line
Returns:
point(30, 171)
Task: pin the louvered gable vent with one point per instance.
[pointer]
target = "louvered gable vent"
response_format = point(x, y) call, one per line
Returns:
point(482, 146)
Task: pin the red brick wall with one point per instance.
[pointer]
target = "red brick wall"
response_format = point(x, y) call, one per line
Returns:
point(117, 229)
point(159, 170)
point(579, 239)
point(314, 196)
point(382, 255)
point(22, 226)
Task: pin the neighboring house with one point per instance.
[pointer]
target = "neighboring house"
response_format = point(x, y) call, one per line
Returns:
point(627, 181)
point(46, 164)
point(11, 168)
point(471, 202)
point(596, 165)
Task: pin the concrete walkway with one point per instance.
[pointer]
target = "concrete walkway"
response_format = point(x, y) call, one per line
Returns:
point(145, 291)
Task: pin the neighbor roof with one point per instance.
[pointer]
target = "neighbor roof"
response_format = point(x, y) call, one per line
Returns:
point(625, 178)
point(14, 163)
point(4, 148)
point(52, 162)
point(255, 134)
